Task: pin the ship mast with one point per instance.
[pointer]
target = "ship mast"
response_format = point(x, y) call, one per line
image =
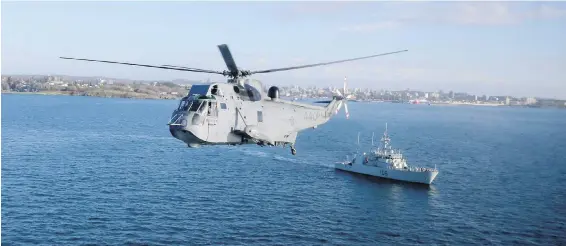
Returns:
point(385, 139)
point(358, 150)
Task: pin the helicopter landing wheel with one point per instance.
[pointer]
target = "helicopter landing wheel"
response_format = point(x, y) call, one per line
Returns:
point(293, 150)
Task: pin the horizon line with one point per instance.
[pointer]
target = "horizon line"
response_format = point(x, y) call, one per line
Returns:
point(213, 81)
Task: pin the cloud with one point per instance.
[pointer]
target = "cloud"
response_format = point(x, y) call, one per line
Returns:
point(469, 13)
point(481, 14)
point(370, 27)
point(261, 61)
point(548, 12)
point(317, 7)
point(494, 13)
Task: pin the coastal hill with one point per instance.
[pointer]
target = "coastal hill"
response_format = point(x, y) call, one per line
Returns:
point(95, 86)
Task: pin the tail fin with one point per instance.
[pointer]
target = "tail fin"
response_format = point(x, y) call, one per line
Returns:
point(333, 106)
point(337, 101)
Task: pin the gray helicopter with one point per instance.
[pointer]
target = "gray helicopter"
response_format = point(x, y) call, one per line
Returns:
point(240, 111)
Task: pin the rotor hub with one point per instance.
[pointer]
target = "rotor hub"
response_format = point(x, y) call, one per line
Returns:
point(236, 74)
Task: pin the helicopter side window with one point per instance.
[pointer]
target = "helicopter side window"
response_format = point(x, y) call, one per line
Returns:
point(213, 109)
point(259, 116)
point(223, 106)
point(210, 108)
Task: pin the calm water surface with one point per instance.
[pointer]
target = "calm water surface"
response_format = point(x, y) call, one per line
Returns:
point(84, 170)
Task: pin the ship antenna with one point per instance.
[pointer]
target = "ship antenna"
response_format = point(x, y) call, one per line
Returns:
point(372, 139)
point(358, 142)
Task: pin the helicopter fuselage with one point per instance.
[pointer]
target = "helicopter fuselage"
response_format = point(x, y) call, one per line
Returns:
point(225, 114)
point(240, 112)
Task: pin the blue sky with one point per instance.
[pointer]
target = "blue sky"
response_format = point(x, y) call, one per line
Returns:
point(493, 48)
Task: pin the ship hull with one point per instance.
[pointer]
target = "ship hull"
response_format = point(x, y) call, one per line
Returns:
point(387, 173)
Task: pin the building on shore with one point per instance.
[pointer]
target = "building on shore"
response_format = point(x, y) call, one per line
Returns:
point(530, 101)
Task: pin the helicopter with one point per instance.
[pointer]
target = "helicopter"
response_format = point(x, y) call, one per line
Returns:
point(241, 111)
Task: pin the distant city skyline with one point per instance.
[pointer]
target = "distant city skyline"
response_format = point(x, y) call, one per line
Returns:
point(111, 80)
point(482, 48)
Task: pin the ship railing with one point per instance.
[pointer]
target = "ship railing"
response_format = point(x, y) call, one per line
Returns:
point(423, 169)
point(415, 169)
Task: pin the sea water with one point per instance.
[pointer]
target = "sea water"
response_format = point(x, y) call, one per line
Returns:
point(86, 170)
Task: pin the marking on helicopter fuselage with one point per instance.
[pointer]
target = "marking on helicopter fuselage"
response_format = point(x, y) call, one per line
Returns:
point(314, 115)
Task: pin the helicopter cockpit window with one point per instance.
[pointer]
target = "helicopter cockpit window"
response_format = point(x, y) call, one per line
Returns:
point(184, 104)
point(195, 106)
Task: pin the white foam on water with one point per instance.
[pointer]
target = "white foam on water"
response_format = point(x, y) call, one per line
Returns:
point(286, 159)
point(307, 161)
point(254, 153)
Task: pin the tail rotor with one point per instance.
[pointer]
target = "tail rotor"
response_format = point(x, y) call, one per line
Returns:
point(342, 99)
point(344, 96)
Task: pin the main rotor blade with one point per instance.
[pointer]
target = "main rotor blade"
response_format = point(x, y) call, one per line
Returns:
point(228, 59)
point(201, 70)
point(324, 63)
point(339, 106)
point(144, 65)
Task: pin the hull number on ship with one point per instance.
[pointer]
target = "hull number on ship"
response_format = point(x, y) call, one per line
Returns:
point(383, 173)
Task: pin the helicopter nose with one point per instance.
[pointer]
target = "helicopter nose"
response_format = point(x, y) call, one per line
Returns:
point(184, 135)
point(172, 131)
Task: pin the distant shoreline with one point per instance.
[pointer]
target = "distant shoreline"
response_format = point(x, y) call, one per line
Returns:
point(60, 93)
point(35, 93)
point(469, 104)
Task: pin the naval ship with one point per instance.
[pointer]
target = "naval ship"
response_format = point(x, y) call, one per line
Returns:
point(386, 162)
